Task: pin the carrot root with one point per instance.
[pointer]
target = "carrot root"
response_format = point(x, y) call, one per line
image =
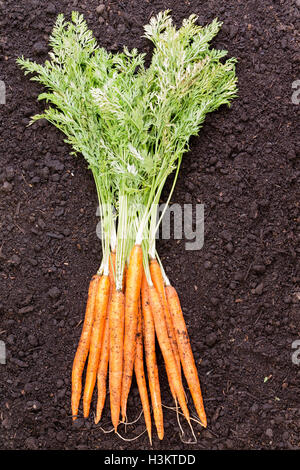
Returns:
point(186, 354)
point(116, 339)
point(166, 349)
point(158, 281)
point(102, 371)
point(101, 302)
point(132, 294)
point(83, 347)
point(104, 356)
point(140, 376)
point(150, 356)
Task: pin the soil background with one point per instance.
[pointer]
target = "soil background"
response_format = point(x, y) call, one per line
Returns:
point(240, 293)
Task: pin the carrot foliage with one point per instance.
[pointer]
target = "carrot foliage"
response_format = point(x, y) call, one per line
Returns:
point(132, 123)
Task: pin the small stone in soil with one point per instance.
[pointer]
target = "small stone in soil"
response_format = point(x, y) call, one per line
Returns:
point(32, 340)
point(78, 423)
point(214, 301)
point(269, 433)
point(59, 383)
point(239, 276)
point(11, 339)
point(34, 405)
point(61, 393)
point(226, 235)
point(254, 408)
point(54, 293)
point(39, 48)
point(6, 423)
point(207, 265)
point(229, 247)
point(51, 9)
point(100, 9)
point(211, 339)
point(27, 309)
point(9, 173)
point(31, 443)
point(259, 268)
point(7, 187)
point(41, 223)
point(15, 259)
point(61, 436)
point(259, 289)
point(29, 387)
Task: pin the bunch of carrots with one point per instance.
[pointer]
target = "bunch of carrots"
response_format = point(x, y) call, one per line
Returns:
point(119, 325)
point(132, 124)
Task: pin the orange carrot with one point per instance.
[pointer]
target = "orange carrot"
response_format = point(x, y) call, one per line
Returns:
point(132, 292)
point(140, 375)
point(185, 351)
point(102, 370)
point(104, 356)
point(101, 302)
point(83, 347)
point(149, 344)
point(158, 282)
point(116, 341)
point(166, 349)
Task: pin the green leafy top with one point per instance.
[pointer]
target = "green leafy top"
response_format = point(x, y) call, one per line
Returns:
point(131, 123)
point(122, 117)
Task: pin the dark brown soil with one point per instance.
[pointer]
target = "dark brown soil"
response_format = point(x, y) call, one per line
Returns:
point(240, 293)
